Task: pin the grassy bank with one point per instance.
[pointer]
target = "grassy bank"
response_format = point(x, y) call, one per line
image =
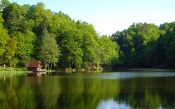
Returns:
point(7, 71)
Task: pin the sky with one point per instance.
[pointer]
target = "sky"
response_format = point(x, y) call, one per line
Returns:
point(109, 16)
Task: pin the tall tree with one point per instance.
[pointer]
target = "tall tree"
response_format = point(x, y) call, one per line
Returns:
point(40, 18)
point(25, 46)
point(12, 17)
point(89, 45)
point(49, 52)
point(108, 51)
point(4, 37)
point(11, 47)
point(70, 41)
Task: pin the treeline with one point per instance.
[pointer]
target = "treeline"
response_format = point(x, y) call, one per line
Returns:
point(147, 45)
point(31, 32)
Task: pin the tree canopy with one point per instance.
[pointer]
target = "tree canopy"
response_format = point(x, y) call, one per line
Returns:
point(31, 32)
point(36, 33)
point(146, 45)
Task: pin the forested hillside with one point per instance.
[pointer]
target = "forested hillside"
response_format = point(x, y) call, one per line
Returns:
point(35, 33)
point(146, 45)
point(31, 32)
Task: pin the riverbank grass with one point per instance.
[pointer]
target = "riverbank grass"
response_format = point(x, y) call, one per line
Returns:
point(8, 71)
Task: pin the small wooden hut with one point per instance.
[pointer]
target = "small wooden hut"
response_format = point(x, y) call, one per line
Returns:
point(34, 68)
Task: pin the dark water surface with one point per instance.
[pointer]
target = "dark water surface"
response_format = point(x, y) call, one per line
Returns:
point(143, 88)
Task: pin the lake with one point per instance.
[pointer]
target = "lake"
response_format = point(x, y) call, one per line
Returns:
point(135, 88)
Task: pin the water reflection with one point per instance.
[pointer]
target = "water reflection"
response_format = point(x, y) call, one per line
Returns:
point(109, 104)
point(112, 104)
point(88, 91)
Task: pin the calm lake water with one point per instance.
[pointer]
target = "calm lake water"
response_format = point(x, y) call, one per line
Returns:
point(143, 88)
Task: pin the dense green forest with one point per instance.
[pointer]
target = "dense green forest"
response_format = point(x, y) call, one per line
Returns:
point(146, 45)
point(31, 32)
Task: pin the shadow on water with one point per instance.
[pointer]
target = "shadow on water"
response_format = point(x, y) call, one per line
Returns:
point(124, 89)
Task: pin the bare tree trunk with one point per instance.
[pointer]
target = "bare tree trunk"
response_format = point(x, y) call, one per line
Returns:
point(11, 66)
point(50, 66)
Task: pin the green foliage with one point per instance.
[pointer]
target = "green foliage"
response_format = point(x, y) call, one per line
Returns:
point(3, 4)
point(39, 18)
point(136, 44)
point(146, 45)
point(25, 46)
point(22, 39)
point(3, 37)
point(11, 48)
point(13, 18)
point(89, 44)
point(108, 51)
point(168, 48)
point(49, 51)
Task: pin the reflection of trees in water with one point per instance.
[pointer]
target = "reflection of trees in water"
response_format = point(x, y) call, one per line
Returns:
point(147, 92)
point(55, 92)
point(47, 93)
point(79, 93)
point(16, 93)
point(85, 93)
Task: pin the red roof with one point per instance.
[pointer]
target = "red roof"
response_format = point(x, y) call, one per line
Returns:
point(36, 64)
